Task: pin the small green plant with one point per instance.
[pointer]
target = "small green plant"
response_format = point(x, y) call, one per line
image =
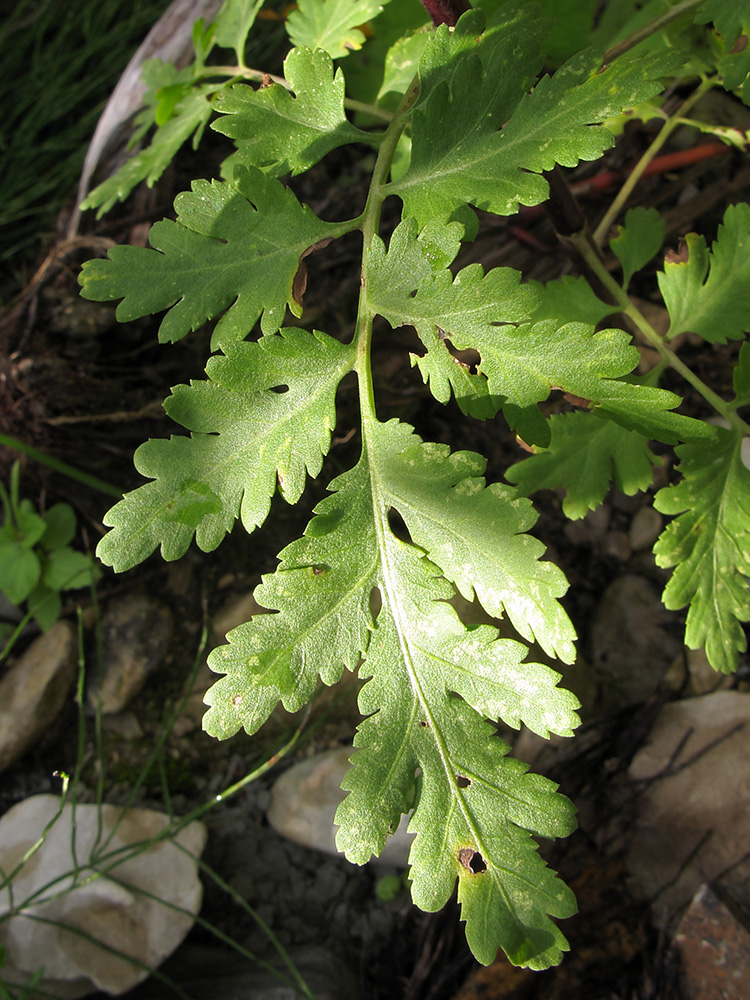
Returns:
point(37, 562)
point(460, 116)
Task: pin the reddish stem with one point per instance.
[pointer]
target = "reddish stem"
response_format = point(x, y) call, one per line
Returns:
point(446, 11)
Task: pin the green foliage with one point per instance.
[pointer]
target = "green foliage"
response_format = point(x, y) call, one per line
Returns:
point(709, 543)
point(411, 524)
point(637, 241)
point(584, 456)
point(36, 559)
point(706, 293)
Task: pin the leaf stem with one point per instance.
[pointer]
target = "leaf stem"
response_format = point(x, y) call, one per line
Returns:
point(589, 253)
point(59, 466)
point(370, 226)
point(650, 29)
point(600, 233)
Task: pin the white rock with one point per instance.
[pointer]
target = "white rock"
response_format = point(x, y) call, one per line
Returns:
point(34, 690)
point(116, 915)
point(304, 801)
point(694, 810)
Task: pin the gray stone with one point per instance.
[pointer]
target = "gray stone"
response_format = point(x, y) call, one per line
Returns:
point(645, 528)
point(113, 914)
point(694, 807)
point(135, 637)
point(304, 801)
point(631, 648)
point(34, 691)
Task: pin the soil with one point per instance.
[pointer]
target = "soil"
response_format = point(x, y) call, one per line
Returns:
point(88, 391)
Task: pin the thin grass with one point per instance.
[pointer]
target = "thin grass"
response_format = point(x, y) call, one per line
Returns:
point(60, 61)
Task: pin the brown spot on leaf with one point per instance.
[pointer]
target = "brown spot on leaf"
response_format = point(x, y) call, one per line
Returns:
point(678, 256)
point(237, 700)
point(576, 400)
point(739, 46)
point(462, 782)
point(472, 860)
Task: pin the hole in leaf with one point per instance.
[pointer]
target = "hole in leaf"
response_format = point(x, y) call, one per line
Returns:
point(462, 782)
point(472, 860)
point(397, 525)
point(376, 602)
point(423, 724)
point(280, 389)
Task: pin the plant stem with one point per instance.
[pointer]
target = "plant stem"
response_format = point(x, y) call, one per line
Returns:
point(590, 255)
point(67, 470)
point(666, 130)
point(650, 29)
point(370, 225)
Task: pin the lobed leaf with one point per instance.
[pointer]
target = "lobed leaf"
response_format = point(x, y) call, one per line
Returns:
point(321, 591)
point(264, 416)
point(525, 363)
point(278, 131)
point(706, 293)
point(331, 25)
point(475, 807)
point(233, 24)
point(188, 119)
point(638, 240)
point(709, 546)
point(478, 137)
point(475, 534)
point(584, 456)
point(741, 378)
point(233, 247)
point(411, 284)
point(732, 21)
point(433, 682)
point(570, 298)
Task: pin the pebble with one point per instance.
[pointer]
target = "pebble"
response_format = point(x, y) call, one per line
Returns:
point(304, 802)
point(136, 631)
point(112, 912)
point(631, 647)
point(645, 528)
point(35, 689)
point(713, 951)
point(694, 802)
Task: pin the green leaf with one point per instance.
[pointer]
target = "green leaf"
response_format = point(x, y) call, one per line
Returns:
point(411, 284)
point(525, 363)
point(234, 248)
point(709, 544)
point(331, 25)
point(30, 525)
point(479, 139)
point(279, 132)
point(433, 683)
point(264, 416)
point(732, 21)
point(476, 534)
point(571, 298)
point(475, 807)
point(66, 569)
point(45, 605)
point(584, 456)
point(189, 119)
point(706, 293)
point(638, 240)
point(321, 590)
point(233, 24)
point(401, 62)
point(19, 571)
point(60, 526)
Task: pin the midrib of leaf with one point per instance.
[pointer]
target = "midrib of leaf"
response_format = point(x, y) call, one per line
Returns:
point(363, 367)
